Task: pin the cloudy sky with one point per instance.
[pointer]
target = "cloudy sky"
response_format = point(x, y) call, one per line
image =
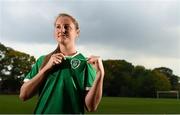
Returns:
point(143, 32)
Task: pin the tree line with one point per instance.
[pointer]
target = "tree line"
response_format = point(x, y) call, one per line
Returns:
point(121, 77)
point(124, 79)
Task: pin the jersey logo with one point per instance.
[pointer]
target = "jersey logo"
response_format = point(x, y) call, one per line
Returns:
point(75, 63)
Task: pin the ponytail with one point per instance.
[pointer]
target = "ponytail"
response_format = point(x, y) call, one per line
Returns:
point(48, 56)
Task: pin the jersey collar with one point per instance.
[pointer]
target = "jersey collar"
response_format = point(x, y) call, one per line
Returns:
point(72, 55)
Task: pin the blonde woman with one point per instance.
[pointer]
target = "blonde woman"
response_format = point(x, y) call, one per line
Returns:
point(65, 80)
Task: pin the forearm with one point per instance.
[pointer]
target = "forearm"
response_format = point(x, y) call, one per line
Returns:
point(29, 88)
point(94, 95)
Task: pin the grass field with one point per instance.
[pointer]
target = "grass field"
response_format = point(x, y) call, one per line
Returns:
point(12, 104)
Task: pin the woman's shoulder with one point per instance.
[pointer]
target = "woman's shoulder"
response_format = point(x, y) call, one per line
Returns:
point(40, 59)
point(81, 55)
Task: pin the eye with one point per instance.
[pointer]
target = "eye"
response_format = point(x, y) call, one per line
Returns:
point(58, 26)
point(67, 27)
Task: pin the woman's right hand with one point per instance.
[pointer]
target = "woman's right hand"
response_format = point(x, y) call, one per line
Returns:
point(54, 60)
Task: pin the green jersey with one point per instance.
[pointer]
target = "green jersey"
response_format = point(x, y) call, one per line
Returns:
point(63, 91)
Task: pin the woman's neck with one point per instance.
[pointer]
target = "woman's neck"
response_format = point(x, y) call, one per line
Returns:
point(68, 51)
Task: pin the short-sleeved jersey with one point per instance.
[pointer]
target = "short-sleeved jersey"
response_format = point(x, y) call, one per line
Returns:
point(63, 90)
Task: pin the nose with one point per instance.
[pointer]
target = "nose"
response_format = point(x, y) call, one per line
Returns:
point(62, 29)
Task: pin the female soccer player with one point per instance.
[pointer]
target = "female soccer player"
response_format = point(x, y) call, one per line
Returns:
point(65, 80)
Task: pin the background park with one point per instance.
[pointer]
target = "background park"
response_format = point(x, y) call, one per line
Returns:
point(122, 80)
point(137, 39)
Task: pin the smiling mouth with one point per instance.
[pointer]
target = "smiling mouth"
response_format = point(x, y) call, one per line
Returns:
point(64, 36)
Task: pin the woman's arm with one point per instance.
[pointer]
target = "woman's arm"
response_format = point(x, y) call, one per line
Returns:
point(94, 95)
point(29, 88)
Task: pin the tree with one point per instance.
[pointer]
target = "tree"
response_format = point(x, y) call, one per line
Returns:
point(152, 82)
point(169, 74)
point(14, 65)
point(138, 75)
point(117, 80)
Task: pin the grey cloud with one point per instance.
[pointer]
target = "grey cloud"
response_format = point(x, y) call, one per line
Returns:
point(143, 27)
point(25, 26)
point(132, 27)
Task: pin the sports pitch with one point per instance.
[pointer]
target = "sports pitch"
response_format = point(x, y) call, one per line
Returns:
point(117, 105)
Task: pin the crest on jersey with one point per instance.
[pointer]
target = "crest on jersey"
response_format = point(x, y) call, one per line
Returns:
point(75, 63)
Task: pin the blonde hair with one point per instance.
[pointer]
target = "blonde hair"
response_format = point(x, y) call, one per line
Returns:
point(71, 17)
point(57, 50)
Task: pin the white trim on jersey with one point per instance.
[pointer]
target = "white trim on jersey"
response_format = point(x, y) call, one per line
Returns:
point(72, 55)
point(26, 80)
point(87, 88)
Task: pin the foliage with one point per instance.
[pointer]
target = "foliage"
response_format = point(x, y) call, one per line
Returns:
point(124, 79)
point(14, 65)
point(169, 74)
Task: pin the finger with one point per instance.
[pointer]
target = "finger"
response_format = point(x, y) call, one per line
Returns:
point(60, 54)
point(57, 61)
point(93, 59)
point(58, 57)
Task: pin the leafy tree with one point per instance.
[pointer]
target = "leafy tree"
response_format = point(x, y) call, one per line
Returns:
point(152, 82)
point(138, 75)
point(117, 78)
point(169, 74)
point(13, 67)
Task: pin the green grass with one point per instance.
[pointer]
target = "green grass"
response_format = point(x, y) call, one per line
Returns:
point(12, 104)
point(138, 105)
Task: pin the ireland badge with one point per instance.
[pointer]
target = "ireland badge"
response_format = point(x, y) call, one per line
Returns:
point(75, 63)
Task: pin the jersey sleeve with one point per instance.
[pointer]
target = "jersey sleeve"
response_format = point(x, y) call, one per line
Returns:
point(34, 70)
point(91, 75)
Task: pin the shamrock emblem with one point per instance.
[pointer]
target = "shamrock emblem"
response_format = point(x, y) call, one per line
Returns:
point(75, 63)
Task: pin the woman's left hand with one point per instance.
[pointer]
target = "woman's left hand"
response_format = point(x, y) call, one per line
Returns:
point(96, 62)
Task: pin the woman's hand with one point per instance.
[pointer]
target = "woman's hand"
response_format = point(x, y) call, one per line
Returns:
point(96, 61)
point(54, 60)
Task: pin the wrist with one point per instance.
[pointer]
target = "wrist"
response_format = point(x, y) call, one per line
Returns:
point(44, 70)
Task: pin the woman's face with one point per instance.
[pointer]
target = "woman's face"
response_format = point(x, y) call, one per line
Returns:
point(65, 31)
